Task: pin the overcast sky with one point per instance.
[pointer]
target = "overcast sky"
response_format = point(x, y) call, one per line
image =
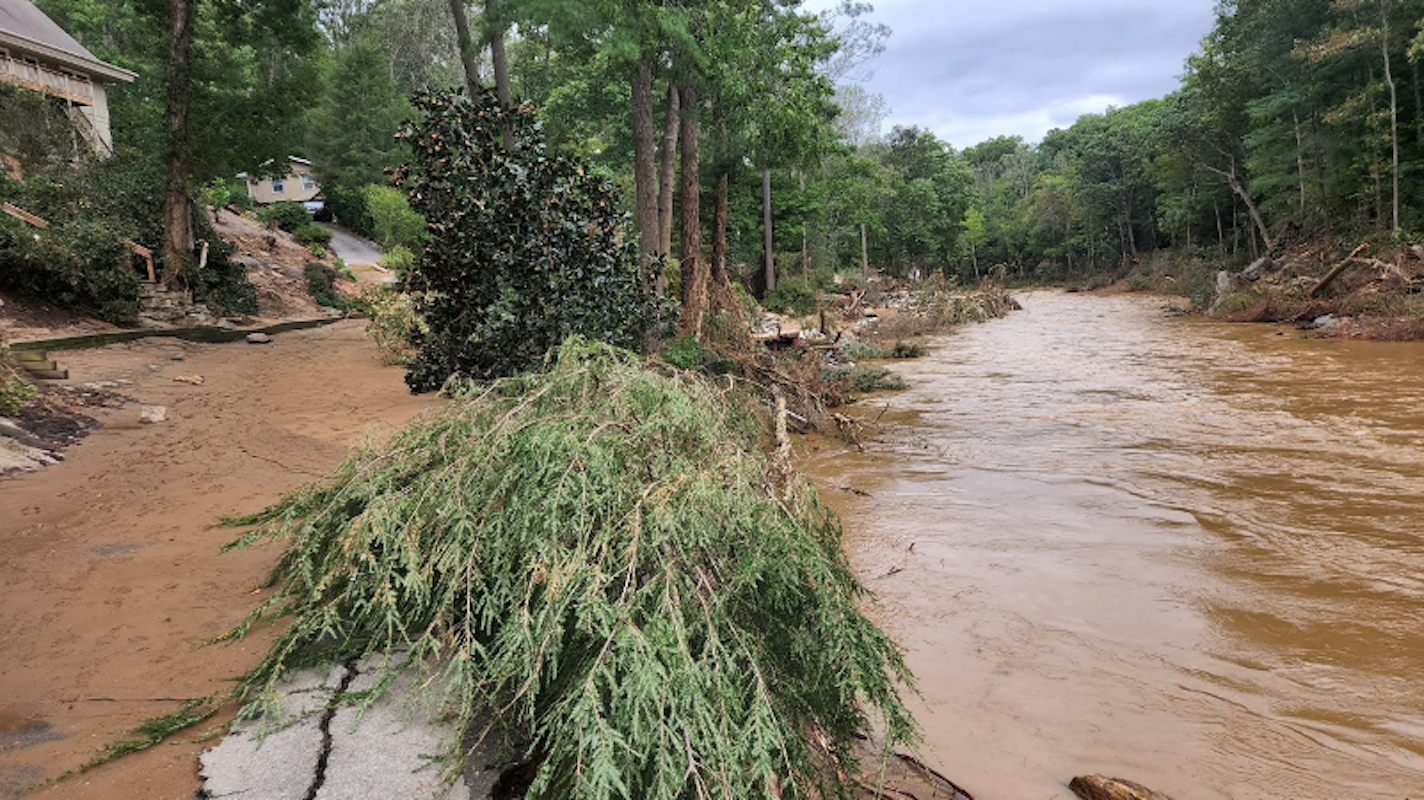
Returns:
point(970, 70)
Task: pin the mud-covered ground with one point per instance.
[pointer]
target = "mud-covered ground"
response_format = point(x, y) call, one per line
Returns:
point(114, 581)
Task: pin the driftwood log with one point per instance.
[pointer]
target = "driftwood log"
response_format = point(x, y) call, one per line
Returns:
point(1338, 270)
point(1099, 787)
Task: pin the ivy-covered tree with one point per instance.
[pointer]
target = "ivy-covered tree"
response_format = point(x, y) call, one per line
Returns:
point(526, 248)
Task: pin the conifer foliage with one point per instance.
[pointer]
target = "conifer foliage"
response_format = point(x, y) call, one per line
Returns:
point(603, 555)
point(526, 247)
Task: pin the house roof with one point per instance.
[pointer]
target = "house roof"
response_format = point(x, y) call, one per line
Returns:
point(268, 162)
point(24, 27)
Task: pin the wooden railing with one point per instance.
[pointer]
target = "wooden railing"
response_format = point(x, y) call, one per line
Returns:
point(75, 88)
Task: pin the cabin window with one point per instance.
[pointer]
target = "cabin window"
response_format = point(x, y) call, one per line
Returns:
point(277, 187)
point(307, 183)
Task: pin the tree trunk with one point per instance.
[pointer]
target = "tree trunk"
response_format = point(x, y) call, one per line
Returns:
point(1299, 161)
point(668, 172)
point(495, 32)
point(469, 54)
point(1418, 102)
point(1220, 230)
point(497, 55)
point(1393, 114)
point(177, 215)
point(1240, 191)
point(864, 251)
point(719, 230)
point(770, 253)
point(645, 179)
point(805, 246)
point(694, 271)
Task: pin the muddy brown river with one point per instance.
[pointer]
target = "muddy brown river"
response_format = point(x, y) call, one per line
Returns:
point(1185, 553)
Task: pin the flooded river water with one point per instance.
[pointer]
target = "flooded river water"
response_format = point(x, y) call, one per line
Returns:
point(1185, 553)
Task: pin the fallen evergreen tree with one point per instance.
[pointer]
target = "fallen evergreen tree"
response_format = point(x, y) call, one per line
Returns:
point(602, 557)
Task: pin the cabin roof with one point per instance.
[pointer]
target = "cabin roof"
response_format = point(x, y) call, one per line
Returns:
point(25, 27)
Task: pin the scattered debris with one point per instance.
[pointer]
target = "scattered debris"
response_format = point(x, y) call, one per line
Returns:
point(1099, 787)
point(196, 380)
point(152, 414)
point(258, 338)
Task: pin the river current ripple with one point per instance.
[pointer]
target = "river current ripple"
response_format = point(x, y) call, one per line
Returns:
point(1185, 553)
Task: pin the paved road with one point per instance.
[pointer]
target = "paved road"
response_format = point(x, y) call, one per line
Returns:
point(361, 255)
point(352, 248)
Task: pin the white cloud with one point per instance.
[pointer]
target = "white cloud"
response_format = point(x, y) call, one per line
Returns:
point(971, 70)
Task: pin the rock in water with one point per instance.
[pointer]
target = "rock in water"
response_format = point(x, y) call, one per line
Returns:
point(1098, 787)
point(258, 338)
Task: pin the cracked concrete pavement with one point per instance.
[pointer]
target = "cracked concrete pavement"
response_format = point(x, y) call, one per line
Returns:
point(323, 749)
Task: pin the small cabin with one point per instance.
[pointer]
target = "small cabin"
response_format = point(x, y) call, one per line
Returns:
point(296, 184)
point(36, 53)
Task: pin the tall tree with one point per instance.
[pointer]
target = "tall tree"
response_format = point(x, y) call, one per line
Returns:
point(469, 53)
point(177, 212)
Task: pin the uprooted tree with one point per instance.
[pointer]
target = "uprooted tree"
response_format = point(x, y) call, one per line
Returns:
point(526, 248)
point(602, 557)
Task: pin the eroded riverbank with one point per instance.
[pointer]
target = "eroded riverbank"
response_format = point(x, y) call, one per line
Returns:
point(1178, 551)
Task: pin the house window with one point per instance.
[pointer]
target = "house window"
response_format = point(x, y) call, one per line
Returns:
point(277, 187)
point(307, 183)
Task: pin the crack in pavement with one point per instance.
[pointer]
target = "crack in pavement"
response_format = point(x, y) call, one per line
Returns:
point(327, 716)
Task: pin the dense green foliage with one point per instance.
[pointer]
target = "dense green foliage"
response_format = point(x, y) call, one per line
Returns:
point(321, 282)
point(602, 556)
point(35, 131)
point(253, 76)
point(80, 264)
point(393, 222)
point(288, 215)
point(526, 248)
point(1287, 123)
point(83, 262)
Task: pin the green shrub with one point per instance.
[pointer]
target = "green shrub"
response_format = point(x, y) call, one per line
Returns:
point(289, 215)
point(35, 130)
point(348, 206)
point(343, 270)
point(866, 378)
point(81, 264)
point(222, 285)
point(527, 248)
point(903, 349)
point(317, 249)
point(393, 221)
point(861, 350)
point(602, 557)
point(15, 391)
point(684, 352)
point(242, 199)
point(394, 323)
point(794, 295)
point(321, 282)
point(312, 233)
point(399, 259)
point(217, 193)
